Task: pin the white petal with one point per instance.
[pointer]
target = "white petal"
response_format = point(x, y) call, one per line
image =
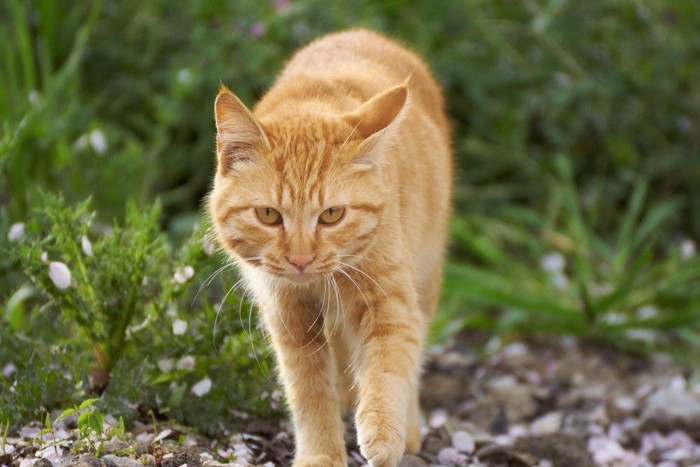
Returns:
point(165, 364)
point(184, 76)
point(184, 274)
point(162, 435)
point(553, 262)
point(16, 232)
point(59, 274)
point(98, 141)
point(9, 370)
point(202, 387)
point(87, 246)
point(44, 257)
point(179, 327)
point(185, 363)
point(688, 248)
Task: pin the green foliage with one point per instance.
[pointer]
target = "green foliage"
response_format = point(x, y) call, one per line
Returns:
point(632, 288)
point(125, 297)
point(106, 277)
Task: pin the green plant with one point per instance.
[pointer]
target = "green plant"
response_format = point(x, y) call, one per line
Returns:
point(99, 284)
point(555, 273)
point(128, 296)
point(90, 423)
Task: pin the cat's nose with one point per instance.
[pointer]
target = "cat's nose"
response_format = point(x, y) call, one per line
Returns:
point(300, 261)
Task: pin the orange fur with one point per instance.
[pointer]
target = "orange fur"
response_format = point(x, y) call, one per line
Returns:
point(354, 122)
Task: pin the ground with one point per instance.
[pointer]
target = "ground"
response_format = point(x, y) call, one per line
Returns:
point(536, 403)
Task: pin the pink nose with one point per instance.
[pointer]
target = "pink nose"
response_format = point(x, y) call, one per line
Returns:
point(300, 261)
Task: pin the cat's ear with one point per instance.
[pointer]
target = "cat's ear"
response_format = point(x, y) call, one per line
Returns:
point(376, 119)
point(239, 137)
point(379, 112)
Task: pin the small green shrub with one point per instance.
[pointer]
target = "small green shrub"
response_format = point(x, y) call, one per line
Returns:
point(119, 299)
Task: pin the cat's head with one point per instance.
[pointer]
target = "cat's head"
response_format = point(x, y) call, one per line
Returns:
point(300, 194)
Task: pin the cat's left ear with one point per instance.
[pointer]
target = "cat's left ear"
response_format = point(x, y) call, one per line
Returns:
point(239, 137)
point(377, 119)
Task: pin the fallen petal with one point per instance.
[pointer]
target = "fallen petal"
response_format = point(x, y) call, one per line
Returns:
point(59, 274)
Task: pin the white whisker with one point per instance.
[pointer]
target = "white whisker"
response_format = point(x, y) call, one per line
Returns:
point(366, 275)
point(320, 313)
point(357, 286)
point(209, 280)
point(218, 310)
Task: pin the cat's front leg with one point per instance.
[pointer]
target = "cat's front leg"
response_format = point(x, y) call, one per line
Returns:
point(307, 372)
point(389, 369)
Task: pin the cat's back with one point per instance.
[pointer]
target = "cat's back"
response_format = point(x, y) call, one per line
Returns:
point(358, 63)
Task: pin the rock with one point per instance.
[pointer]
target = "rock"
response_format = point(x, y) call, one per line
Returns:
point(6, 459)
point(180, 458)
point(671, 409)
point(114, 446)
point(548, 423)
point(211, 463)
point(451, 456)
point(561, 449)
point(110, 460)
point(463, 442)
point(516, 399)
point(435, 440)
point(86, 460)
point(494, 454)
point(409, 460)
point(487, 413)
point(43, 463)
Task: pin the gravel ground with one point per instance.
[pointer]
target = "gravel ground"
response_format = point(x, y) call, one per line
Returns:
point(527, 404)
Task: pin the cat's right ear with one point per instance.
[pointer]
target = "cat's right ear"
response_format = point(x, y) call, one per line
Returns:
point(239, 137)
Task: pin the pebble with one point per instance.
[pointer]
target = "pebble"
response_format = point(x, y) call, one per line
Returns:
point(668, 409)
point(547, 424)
point(110, 460)
point(409, 460)
point(463, 442)
point(451, 456)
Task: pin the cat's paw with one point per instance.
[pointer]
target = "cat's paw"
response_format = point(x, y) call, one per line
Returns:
point(320, 460)
point(381, 444)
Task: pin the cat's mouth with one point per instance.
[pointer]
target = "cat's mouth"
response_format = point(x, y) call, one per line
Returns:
point(301, 277)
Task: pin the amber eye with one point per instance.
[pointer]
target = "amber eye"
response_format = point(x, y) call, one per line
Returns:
point(332, 215)
point(269, 216)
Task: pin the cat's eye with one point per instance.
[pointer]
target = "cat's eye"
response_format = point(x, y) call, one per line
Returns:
point(332, 215)
point(269, 216)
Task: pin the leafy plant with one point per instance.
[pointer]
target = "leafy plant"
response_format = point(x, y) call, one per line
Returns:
point(99, 284)
point(633, 289)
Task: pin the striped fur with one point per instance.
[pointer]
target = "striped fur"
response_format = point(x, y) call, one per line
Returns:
point(354, 121)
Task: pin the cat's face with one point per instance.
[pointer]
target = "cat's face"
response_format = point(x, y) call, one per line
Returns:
point(297, 198)
point(299, 211)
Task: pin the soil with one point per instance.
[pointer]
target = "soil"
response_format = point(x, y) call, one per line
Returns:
point(539, 403)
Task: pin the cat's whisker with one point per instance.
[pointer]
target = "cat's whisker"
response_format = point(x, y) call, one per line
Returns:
point(218, 310)
point(338, 308)
point(291, 335)
point(320, 310)
point(252, 341)
point(357, 286)
point(366, 275)
point(334, 285)
point(320, 313)
point(349, 136)
point(209, 280)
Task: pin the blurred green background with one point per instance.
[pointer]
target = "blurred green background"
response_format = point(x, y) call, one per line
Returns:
point(576, 131)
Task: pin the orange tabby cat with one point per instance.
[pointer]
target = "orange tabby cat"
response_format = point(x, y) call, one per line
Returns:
point(332, 198)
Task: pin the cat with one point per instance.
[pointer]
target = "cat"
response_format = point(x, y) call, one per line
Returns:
point(332, 198)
